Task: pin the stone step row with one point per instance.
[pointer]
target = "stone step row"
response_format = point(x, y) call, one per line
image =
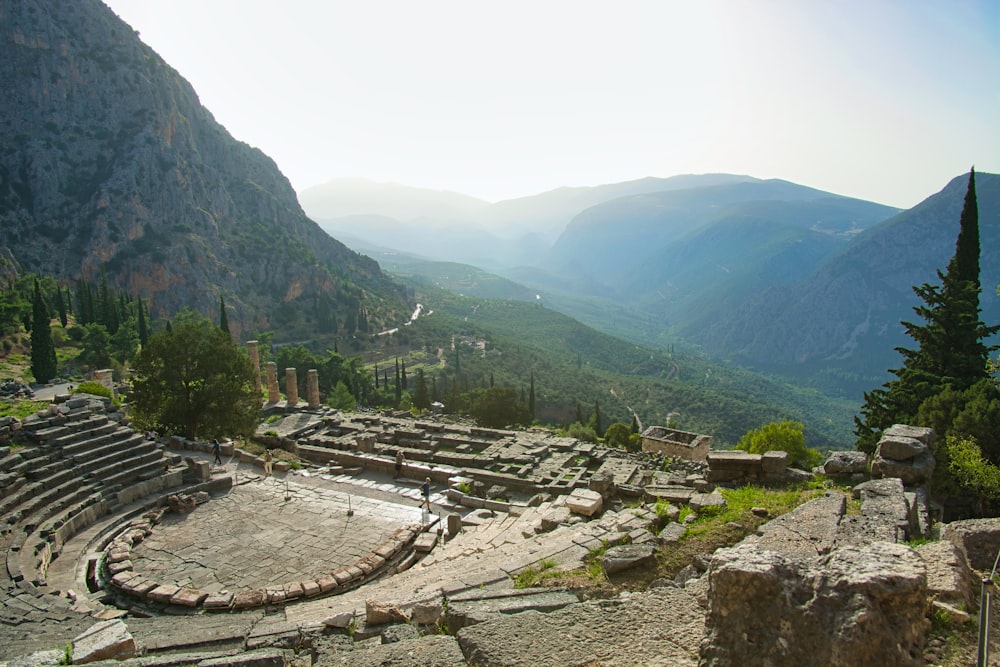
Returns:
point(46, 424)
point(87, 445)
point(64, 433)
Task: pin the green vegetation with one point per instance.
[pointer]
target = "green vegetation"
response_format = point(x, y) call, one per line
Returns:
point(43, 351)
point(21, 409)
point(785, 436)
point(193, 379)
point(945, 383)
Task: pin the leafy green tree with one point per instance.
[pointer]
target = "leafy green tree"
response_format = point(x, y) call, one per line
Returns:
point(143, 323)
point(194, 380)
point(950, 343)
point(595, 420)
point(499, 407)
point(981, 478)
point(786, 436)
point(125, 342)
point(581, 432)
point(43, 350)
point(620, 435)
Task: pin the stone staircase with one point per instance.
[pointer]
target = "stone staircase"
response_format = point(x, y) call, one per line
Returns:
point(72, 464)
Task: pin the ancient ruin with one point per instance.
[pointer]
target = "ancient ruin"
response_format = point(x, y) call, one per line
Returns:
point(120, 546)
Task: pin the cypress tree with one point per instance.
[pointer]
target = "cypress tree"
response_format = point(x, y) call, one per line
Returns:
point(403, 376)
point(43, 351)
point(142, 325)
point(598, 427)
point(375, 373)
point(223, 318)
point(950, 349)
point(61, 307)
point(531, 397)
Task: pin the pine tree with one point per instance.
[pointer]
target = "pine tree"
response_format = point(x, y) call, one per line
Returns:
point(223, 318)
point(531, 397)
point(61, 307)
point(43, 351)
point(143, 324)
point(950, 343)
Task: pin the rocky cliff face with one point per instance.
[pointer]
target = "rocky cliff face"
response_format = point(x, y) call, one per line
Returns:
point(108, 159)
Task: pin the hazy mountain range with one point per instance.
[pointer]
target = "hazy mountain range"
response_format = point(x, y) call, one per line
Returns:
point(768, 273)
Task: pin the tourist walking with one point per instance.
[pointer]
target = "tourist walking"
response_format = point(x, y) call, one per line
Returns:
point(268, 463)
point(217, 450)
point(399, 463)
point(425, 491)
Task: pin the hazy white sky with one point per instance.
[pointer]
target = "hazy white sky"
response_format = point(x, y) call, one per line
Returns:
point(882, 100)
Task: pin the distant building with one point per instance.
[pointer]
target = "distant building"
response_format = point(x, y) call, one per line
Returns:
point(676, 444)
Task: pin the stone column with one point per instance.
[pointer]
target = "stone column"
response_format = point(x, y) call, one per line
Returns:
point(272, 383)
point(312, 387)
point(255, 362)
point(291, 387)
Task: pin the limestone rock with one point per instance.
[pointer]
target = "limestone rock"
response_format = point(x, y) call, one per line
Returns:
point(103, 641)
point(672, 533)
point(900, 448)
point(914, 472)
point(949, 578)
point(584, 501)
point(845, 463)
point(627, 556)
point(806, 611)
point(380, 613)
point(429, 651)
point(702, 501)
point(978, 539)
point(341, 619)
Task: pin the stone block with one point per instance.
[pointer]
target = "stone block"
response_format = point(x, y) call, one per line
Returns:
point(702, 501)
point(310, 589)
point(378, 612)
point(425, 542)
point(162, 593)
point(248, 599)
point(628, 556)
point(913, 472)
point(327, 583)
point(426, 613)
point(585, 502)
point(220, 600)
point(978, 539)
point(900, 448)
point(845, 463)
point(106, 640)
point(188, 597)
point(341, 620)
point(672, 533)
point(949, 577)
point(774, 462)
point(293, 590)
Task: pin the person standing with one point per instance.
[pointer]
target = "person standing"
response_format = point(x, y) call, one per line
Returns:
point(399, 463)
point(268, 463)
point(425, 490)
point(217, 450)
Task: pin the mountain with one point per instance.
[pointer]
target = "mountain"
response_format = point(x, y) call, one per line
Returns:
point(353, 196)
point(110, 163)
point(843, 320)
point(448, 226)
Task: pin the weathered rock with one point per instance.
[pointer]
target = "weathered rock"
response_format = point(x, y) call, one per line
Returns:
point(380, 613)
point(104, 641)
point(913, 472)
point(341, 619)
point(474, 607)
point(400, 632)
point(628, 556)
point(816, 611)
point(923, 434)
point(426, 613)
point(672, 533)
point(900, 448)
point(774, 462)
point(429, 651)
point(884, 514)
point(949, 578)
point(978, 539)
point(845, 463)
point(606, 632)
point(584, 501)
point(710, 501)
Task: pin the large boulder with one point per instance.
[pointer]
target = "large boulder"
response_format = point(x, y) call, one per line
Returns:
point(845, 463)
point(977, 539)
point(915, 471)
point(857, 606)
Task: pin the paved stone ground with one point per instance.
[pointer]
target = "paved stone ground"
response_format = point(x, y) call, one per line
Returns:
point(256, 536)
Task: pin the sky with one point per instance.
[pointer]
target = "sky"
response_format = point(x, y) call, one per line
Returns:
point(876, 99)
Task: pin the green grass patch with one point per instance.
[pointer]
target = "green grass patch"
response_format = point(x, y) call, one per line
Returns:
point(21, 409)
point(537, 575)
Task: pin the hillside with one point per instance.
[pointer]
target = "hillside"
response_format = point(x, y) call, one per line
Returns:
point(841, 324)
point(109, 162)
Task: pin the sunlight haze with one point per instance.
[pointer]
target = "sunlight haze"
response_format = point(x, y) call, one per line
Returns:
point(883, 101)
